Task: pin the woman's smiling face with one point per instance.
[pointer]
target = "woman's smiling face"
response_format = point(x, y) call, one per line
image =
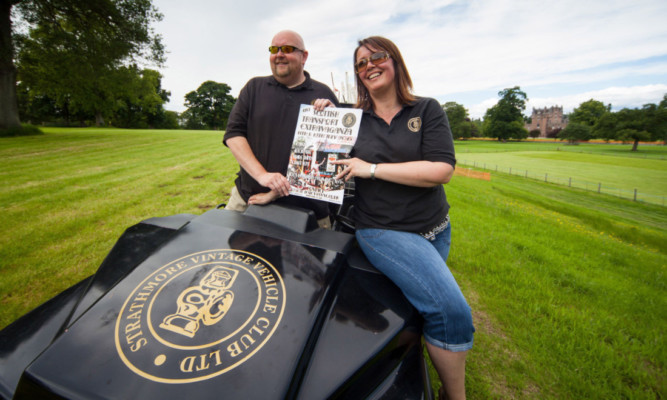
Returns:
point(376, 77)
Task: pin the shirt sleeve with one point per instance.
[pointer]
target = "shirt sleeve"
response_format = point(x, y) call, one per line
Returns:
point(325, 92)
point(437, 141)
point(237, 123)
point(333, 98)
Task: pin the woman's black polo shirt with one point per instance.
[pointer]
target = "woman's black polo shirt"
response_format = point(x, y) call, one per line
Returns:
point(420, 131)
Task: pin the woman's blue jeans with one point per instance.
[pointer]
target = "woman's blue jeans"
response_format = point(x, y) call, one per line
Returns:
point(417, 266)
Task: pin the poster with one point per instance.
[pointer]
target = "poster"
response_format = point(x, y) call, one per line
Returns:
point(320, 138)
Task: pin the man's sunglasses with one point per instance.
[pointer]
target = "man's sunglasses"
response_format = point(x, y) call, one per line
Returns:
point(284, 49)
point(376, 58)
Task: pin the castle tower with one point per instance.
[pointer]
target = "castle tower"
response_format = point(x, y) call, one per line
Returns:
point(547, 119)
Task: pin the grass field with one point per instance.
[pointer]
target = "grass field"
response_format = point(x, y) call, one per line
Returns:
point(568, 287)
point(645, 150)
point(611, 169)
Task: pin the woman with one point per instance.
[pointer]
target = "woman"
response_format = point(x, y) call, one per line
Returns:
point(403, 155)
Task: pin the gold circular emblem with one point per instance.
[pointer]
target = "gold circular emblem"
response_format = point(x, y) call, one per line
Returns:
point(415, 124)
point(349, 119)
point(200, 316)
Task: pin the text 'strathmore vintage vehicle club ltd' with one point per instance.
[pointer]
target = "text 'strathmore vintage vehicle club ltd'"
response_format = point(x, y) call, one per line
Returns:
point(226, 305)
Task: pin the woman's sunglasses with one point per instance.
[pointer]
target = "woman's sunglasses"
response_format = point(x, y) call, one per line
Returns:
point(376, 58)
point(284, 49)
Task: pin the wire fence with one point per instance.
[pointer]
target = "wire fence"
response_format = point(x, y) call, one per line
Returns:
point(570, 182)
point(617, 154)
point(648, 156)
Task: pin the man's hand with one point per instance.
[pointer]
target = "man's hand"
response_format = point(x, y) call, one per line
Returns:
point(276, 182)
point(263, 198)
point(320, 104)
point(247, 160)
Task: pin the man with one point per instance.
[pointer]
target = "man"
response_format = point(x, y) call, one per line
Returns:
point(261, 128)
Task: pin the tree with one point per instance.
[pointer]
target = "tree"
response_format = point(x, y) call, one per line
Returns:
point(633, 135)
point(605, 128)
point(477, 127)
point(140, 104)
point(661, 120)
point(553, 133)
point(575, 132)
point(137, 102)
point(503, 130)
point(459, 122)
point(648, 123)
point(73, 49)
point(505, 120)
point(589, 112)
point(209, 106)
point(9, 111)
point(168, 121)
point(635, 125)
point(657, 116)
point(35, 109)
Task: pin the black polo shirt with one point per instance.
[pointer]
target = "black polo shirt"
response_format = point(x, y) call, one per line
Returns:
point(266, 114)
point(420, 131)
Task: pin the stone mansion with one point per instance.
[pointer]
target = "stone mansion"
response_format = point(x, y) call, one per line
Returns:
point(547, 119)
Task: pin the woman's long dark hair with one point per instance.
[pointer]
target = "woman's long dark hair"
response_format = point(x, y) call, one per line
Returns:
point(401, 78)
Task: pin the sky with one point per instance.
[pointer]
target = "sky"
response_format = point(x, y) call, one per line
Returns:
point(560, 53)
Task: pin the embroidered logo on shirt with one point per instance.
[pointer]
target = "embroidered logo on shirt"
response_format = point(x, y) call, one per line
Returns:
point(415, 124)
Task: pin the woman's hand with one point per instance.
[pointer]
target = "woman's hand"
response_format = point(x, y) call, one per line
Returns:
point(354, 167)
point(411, 173)
point(321, 104)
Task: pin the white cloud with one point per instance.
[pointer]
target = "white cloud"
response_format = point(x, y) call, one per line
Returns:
point(463, 51)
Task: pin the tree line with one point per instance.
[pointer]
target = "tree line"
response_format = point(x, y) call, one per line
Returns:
point(591, 120)
point(82, 62)
point(595, 120)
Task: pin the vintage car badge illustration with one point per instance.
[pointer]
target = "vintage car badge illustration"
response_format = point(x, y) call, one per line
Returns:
point(200, 316)
point(206, 302)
